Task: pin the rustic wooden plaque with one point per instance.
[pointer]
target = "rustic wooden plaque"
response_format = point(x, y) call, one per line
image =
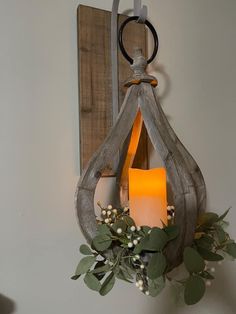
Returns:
point(95, 98)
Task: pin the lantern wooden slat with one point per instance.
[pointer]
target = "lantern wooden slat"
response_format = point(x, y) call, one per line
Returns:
point(185, 178)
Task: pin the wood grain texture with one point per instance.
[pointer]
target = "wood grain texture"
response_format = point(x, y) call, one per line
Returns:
point(98, 163)
point(95, 99)
point(180, 179)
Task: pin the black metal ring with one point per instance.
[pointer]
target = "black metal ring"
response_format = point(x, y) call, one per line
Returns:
point(152, 29)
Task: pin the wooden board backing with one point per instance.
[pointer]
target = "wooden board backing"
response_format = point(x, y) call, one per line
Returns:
point(95, 98)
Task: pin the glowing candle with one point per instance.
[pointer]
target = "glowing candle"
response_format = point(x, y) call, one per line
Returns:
point(148, 197)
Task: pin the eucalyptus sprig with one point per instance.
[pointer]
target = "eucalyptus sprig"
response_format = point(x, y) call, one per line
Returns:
point(211, 244)
point(119, 251)
point(136, 254)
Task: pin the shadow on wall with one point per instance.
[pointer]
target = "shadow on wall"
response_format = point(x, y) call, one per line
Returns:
point(160, 70)
point(7, 306)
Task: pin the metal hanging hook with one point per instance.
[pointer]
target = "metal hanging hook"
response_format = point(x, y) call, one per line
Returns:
point(141, 12)
point(154, 34)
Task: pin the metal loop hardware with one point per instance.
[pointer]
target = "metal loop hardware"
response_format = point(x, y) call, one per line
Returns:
point(153, 31)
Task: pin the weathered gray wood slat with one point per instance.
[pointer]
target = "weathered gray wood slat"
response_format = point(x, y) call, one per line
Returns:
point(103, 156)
point(181, 182)
point(191, 164)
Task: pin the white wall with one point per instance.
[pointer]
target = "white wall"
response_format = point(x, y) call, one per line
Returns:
point(39, 236)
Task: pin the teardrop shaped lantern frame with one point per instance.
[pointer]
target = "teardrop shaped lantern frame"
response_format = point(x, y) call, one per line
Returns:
point(184, 175)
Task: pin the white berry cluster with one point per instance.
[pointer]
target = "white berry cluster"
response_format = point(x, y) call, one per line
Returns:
point(140, 285)
point(108, 214)
point(210, 269)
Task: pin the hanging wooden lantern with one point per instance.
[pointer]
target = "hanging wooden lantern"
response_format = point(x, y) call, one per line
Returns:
point(148, 187)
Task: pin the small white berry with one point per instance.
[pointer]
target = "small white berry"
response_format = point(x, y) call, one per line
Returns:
point(138, 228)
point(147, 293)
point(119, 230)
point(108, 213)
point(106, 220)
point(109, 207)
point(213, 269)
point(169, 217)
point(139, 238)
point(129, 236)
point(135, 242)
point(208, 283)
point(149, 231)
point(126, 209)
point(133, 228)
point(130, 244)
point(168, 207)
point(142, 266)
point(104, 212)
point(137, 256)
point(141, 288)
point(140, 282)
point(137, 284)
point(134, 259)
point(114, 211)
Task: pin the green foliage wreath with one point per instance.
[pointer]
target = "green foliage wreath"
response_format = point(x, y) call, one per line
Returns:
point(137, 254)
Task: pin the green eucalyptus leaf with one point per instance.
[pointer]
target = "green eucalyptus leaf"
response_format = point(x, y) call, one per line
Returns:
point(145, 229)
point(172, 232)
point(104, 229)
point(224, 224)
point(100, 270)
point(123, 275)
point(85, 250)
point(156, 266)
point(207, 275)
point(141, 245)
point(127, 264)
point(127, 271)
point(120, 224)
point(107, 284)
point(102, 242)
point(209, 256)
point(92, 282)
point(155, 286)
point(75, 277)
point(205, 241)
point(193, 260)
point(222, 217)
point(221, 235)
point(208, 218)
point(157, 240)
point(129, 221)
point(194, 290)
point(84, 265)
point(231, 249)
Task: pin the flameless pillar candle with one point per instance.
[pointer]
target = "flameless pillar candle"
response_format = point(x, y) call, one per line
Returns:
point(148, 196)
